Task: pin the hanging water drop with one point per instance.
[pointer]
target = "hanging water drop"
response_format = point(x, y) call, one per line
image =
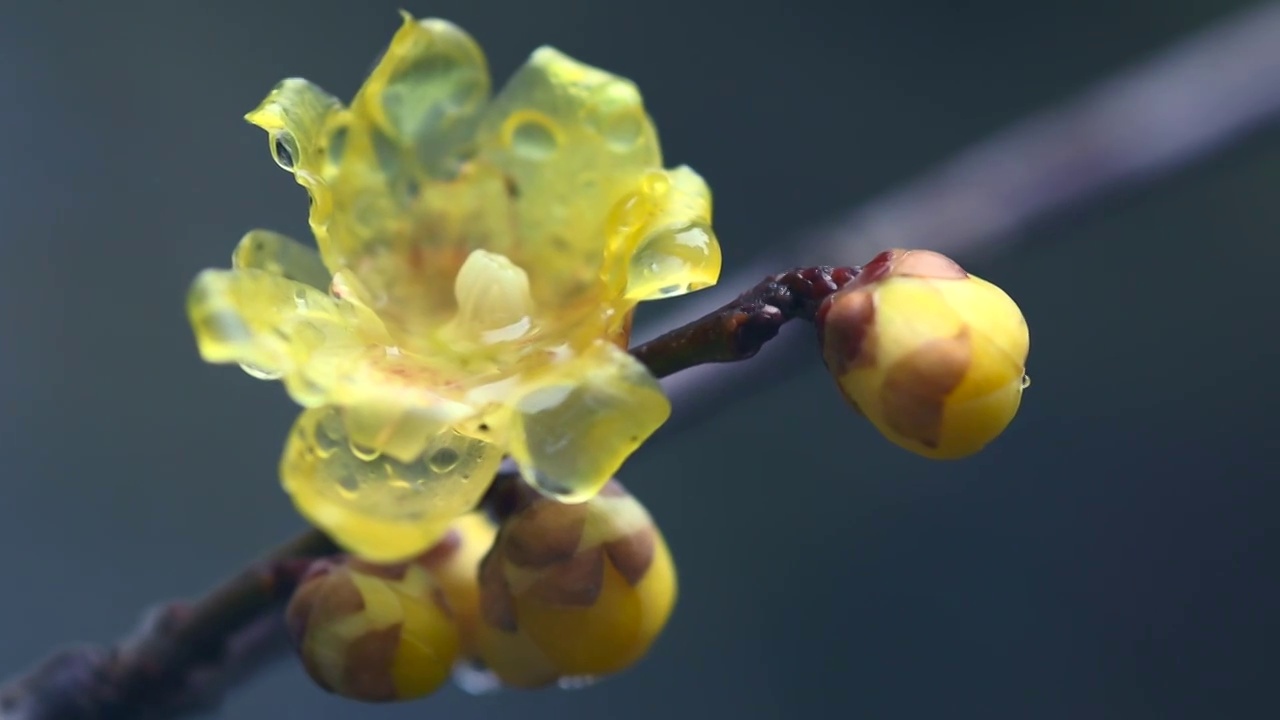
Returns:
point(473, 678)
point(577, 682)
point(260, 373)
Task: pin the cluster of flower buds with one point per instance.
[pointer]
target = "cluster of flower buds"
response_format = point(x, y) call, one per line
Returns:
point(550, 593)
point(933, 356)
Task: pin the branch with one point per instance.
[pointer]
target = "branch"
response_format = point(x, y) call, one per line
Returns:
point(184, 657)
point(1153, 119)
point(1148, 121)
point(740, 328)
point(180, 659)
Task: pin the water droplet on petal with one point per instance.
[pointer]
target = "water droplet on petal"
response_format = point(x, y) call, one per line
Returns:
point(348, 483)
point(1026, 381)
point(366, 454)
point(443, 460)
point(325, 444)
point(533, 138)
point(259, 372)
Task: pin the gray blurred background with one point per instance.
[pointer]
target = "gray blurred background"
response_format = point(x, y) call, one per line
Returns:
point(1115, 555)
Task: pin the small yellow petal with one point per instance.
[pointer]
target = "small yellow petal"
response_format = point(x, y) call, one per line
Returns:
point(378, 507)
point(425, 94)
point(574, 429)
point(662, 244)
point(572, 138)
point(493, 297)
point(277, 328)
point(294, 115)
point(281, 255)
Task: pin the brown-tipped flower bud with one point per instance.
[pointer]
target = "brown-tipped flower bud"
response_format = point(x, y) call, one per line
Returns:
point(933, 356)
point(374, 633)
point(573, 590)
point(454, 564)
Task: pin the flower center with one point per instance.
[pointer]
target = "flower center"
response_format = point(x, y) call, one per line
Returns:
point(494, 301)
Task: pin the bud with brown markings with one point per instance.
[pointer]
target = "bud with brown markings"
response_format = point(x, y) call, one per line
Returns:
point(382, 633)
point(933, 356)
point(573, 590)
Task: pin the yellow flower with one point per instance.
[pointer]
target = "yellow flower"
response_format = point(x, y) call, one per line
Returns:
point(934, 357)
point(479, 262)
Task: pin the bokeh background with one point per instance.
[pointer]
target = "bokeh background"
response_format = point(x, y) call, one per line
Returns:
point(1115, 555)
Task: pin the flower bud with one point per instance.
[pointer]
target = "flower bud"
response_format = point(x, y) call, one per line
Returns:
point(934, 357)
point(374, 633)
point(454, 564)
point(573, 591)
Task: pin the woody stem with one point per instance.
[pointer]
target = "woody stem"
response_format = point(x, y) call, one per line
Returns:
point(737, 330)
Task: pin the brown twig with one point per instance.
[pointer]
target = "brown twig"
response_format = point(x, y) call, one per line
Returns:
point(182, 658)
point(738, 329)
point(179, 659)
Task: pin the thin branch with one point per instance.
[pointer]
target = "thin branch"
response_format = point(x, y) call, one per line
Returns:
point(1145, 123)
point(182, 658)
point(1151, 120)
point(173, 663)
point(740, 328)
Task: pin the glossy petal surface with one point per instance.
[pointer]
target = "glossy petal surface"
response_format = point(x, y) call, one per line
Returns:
point(479, 259)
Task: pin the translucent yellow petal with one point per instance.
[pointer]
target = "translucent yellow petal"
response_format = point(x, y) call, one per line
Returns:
point(425, 94)
point(394, 206)
point(576, 428)
point(394, 406)
point(281, 255)
point(409, 263)
point(660, 239)
point(294, 114)
point(277, 328)
point(572, 139)
point(380, 508)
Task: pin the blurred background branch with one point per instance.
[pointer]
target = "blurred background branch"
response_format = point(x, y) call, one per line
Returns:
point(1148, 121)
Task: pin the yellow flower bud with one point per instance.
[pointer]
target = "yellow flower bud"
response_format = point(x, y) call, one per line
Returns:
point(933, 356)
point(373, 633)
point(455, 566)
point(573, 591)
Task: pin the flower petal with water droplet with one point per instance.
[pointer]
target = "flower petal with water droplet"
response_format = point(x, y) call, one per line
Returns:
point(574, 431)
point(379, 507)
